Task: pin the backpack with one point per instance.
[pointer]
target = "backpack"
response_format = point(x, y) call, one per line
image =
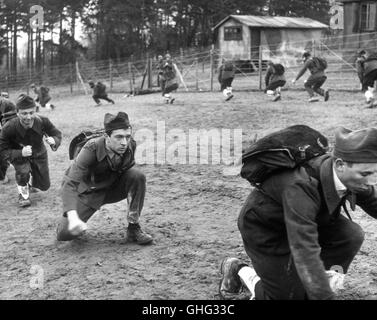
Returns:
point(101, 86)
point(285, 149)
point(320, 63)
point(83, 137)
point(279, 69)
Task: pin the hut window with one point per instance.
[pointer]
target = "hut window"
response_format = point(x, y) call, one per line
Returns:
point(368, 16)
point(233, 33)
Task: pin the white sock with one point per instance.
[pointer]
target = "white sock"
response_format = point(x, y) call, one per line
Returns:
point(74, 220)
point(249, 278)
point(24, 191)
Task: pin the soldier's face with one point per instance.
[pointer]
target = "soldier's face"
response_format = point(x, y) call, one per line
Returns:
point(357, 177)
point(27, 116)
point(119, 140)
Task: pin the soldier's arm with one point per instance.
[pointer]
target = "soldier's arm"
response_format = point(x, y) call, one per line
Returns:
point(52, 131)
point(77, 173)
point(303, 70)
point(301, 203)
point(6, 137)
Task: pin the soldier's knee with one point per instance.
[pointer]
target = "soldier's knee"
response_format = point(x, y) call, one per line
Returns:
point(137, 176)
point(357, 236)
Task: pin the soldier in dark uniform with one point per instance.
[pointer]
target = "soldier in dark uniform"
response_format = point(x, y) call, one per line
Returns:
point(7, 112)
point(299, 243)
point(43, 97)
point(316, 79)
point(22, 144)
point(103, 172)
point(226, 75)
point(99, 92)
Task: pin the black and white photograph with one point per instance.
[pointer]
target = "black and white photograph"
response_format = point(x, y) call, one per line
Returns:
point(209, 151)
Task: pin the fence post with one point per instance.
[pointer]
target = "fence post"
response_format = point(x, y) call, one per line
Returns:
point(111, 74)
point(196, 74)
point(130, 75)
point(211, 67)
point(150, 84)
point(71, 77)
point(260, 67)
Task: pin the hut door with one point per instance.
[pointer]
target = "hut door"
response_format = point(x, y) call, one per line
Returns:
point(255, 43)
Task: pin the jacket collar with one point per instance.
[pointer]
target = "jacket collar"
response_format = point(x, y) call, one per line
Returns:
point(37, 126)
point(328, 186)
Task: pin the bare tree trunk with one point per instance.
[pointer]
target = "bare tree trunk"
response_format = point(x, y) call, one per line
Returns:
point(61, 40)
point(73, 27)
point(14, 62)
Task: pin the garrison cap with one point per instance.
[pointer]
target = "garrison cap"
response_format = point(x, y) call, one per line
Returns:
point(359, 146)
point(114, 122)
point(25, 102)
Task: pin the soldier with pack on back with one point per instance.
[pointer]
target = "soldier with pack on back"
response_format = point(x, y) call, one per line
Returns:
point(102, 173)
point(275, 80)
point(367, 71)
point(43, 97)
point(99, 92)
point(226, 75)
point(317, 67)
point(299, 242)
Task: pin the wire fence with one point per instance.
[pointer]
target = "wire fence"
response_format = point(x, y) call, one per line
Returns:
point(198, 69)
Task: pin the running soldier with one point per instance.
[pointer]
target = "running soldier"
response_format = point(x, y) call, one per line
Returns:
point(99, 92)
point(227, 71)
point(43, 97)
point(21, 143)
point(299, 243)
point(275, 80)
point(313, 84)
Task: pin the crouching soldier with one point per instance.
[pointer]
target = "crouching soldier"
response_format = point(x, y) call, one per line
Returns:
point(316, 66)
point(274, 80)
point(43, 97)
point(299, 243)
point(226, 75)
point(99, 92)
point(21, 143)
point(103, 173)
point(7, 112)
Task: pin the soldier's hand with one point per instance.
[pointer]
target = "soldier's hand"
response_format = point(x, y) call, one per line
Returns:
point(50, 140)
point(27, 151)
point(293, 81)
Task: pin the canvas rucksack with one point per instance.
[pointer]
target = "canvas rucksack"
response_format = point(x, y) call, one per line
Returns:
point(321, 63)
point(279, 69)
point(284, 149)
point(83, 137)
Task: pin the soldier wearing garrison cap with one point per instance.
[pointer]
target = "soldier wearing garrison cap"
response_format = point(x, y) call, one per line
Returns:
point(22, 144)
point(300, 243)
point(7, 112)
point(103, 172)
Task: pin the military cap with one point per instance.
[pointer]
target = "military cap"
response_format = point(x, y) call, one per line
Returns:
point(359, 146)
point(114, 122)
point(25, 102)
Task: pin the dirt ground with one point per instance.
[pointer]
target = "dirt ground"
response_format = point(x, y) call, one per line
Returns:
point(191, 210)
